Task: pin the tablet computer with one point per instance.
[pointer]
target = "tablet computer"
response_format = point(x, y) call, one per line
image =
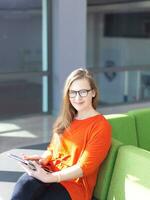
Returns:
point(26, 162)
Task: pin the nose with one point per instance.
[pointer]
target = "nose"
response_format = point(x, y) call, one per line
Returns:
point(77, 96)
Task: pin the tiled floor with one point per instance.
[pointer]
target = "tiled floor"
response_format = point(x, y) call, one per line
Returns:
point(16, 133)
point(25, 131)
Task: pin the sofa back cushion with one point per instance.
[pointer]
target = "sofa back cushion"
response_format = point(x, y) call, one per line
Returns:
point(142, 122)
point(123, 128)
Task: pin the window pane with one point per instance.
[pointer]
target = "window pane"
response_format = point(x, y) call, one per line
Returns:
point(130, 25)
point(23, 79)
point(120, 39)
point(21, 96)
point(20, 36)
point(122, 87)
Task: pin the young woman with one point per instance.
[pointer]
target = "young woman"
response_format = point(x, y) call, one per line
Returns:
point(81, 140)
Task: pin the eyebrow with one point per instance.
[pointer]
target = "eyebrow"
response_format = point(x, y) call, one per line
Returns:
point(79, 90)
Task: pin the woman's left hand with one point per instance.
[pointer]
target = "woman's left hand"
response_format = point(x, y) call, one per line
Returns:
point(39, 173)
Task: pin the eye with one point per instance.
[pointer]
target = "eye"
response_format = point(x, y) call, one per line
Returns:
point(83, 92)
point(72, 93)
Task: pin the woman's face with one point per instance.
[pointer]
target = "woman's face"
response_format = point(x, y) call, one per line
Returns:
point(81, 94)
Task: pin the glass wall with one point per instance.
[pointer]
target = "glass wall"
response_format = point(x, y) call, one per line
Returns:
point(20, 96)
point(21, 70)
point(118, 42)
point(20, 43)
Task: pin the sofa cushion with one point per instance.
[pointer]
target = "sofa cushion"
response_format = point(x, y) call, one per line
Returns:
point(131, 177)
point(123, 128)
point(142, 121)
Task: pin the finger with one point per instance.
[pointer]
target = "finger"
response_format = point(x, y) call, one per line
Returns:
point(22, 156)
point(43, 161)
point(32, 157)
point(26, 157)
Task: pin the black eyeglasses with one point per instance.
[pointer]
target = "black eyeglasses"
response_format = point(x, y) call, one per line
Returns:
point(82, 93)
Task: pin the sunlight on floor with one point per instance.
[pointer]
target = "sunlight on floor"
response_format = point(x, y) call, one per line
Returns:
point(12, 130)
point(21, 133)
point(6, 127)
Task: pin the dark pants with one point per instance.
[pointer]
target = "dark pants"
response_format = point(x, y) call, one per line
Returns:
point(29, 188)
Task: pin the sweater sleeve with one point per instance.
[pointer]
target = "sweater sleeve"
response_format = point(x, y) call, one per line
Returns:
point(96, 148)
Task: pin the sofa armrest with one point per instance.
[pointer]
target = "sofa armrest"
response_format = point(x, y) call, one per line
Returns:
point(131, 175)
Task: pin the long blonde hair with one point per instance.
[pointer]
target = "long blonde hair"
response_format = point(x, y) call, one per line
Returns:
point(68, 112)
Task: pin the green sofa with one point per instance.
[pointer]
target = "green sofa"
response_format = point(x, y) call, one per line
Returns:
point(142, 123)
point(131, 175)
point(128, 159)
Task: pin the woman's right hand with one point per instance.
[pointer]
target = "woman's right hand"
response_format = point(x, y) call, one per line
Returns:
point(42, 160)
point(31, 157)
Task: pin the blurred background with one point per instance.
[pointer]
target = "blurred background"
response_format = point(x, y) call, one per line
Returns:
point(42, 41)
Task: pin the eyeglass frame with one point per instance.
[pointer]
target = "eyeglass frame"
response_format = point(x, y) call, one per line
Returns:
point(78, 92)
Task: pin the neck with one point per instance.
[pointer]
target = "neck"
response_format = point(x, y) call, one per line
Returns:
point(86, 114)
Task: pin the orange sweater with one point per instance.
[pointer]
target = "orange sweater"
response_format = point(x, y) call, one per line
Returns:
point(86, 142)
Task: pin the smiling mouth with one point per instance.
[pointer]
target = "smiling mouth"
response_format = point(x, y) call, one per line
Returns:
point(78, 103)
